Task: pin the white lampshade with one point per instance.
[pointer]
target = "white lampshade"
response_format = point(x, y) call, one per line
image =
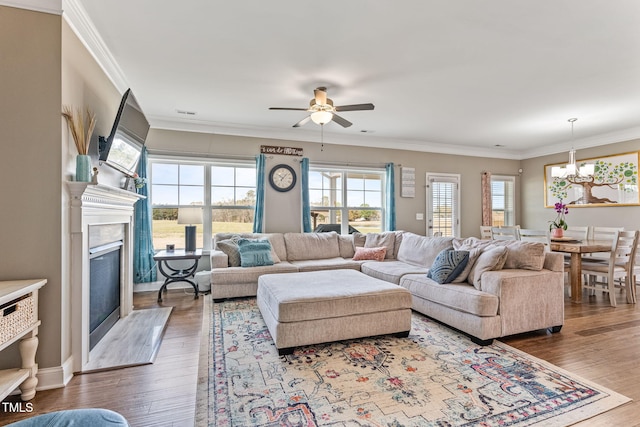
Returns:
point(321, 117)
point(587, 170)
point(558, 172)
point(190, 215)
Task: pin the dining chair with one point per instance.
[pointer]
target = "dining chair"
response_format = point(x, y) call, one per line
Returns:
point(578, 232)
point(532, 235)
point(505, 233)
point(602, 233)
point(607, 277)
point(485, 232)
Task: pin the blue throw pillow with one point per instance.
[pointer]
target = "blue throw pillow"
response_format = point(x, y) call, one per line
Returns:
point(448, 265)
point(254, 252)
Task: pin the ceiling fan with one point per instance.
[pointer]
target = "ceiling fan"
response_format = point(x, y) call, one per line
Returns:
point(322, 110)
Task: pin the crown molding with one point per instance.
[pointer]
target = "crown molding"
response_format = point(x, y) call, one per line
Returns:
point(590, 142)
point(366, 140)
point(53, 7)
point(77, 18)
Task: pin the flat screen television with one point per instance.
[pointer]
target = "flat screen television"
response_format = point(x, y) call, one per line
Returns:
point(121, 149)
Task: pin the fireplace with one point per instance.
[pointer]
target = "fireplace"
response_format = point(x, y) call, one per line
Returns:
point(104, 289)
point(102, 247)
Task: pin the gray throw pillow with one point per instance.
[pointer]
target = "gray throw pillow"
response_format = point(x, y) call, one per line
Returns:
point(230, 247)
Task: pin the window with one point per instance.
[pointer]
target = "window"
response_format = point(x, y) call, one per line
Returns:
point(503, 200)
point(443, 205)
point(225, 191)
point(346, 200)
point(233, 198)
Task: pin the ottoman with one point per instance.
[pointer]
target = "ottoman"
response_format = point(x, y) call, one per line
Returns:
point(332, 305)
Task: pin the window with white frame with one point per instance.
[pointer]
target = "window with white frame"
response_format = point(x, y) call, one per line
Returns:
point(226, 191)
point(347, 200)
point(503, 200)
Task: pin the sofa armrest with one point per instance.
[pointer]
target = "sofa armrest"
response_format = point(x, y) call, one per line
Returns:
point(219, 259)
point(554, 261)
point(529, 300)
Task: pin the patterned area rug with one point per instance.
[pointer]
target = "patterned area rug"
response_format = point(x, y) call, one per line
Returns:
point(435, 377)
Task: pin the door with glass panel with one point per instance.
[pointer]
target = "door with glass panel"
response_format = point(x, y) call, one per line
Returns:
point(443, 205)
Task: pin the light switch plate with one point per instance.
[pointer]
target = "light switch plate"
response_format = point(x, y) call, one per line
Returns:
point(419, 216)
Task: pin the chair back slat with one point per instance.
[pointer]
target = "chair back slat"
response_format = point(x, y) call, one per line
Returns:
point(505, 233)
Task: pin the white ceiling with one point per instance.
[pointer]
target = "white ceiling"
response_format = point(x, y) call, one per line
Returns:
point(494, 78)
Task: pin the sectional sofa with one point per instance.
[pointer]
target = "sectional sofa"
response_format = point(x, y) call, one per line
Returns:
point(503, 288)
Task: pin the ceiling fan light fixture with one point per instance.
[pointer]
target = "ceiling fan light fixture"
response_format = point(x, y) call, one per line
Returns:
point(321, 117)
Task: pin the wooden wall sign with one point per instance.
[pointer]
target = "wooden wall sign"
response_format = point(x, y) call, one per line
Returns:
point(285, 151)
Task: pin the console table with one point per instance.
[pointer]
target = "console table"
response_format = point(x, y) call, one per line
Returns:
point(19, 321)
point(173, 275)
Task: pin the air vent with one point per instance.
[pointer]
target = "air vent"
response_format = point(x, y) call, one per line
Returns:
point(186, 113)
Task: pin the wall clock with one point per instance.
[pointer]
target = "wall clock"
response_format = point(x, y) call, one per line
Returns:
point(282, 178)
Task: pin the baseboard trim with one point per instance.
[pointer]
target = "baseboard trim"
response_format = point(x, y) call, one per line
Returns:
point(55, 377)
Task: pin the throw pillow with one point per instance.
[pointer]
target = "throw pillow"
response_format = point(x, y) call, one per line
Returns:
point(525, 255)
point(254, 252)
point(492, 258)
point(474, 253)
point(386, 239)
point(372, 254)
point(230, 247)
point(448, 265)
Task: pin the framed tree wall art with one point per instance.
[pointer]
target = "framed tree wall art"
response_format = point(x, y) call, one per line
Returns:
point(614, 183)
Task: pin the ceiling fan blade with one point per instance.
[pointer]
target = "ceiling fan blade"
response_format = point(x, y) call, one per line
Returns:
point(302, 122)
point(321, 95)
point(355, 107)
point(286, 108)
point(342, 122)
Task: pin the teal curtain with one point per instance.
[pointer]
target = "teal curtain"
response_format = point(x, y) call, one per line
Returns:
point(258, 216)
point(390, 199)
point(144, 268)
point(306, 205)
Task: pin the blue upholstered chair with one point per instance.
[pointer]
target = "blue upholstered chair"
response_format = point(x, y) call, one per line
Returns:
point(75, 418)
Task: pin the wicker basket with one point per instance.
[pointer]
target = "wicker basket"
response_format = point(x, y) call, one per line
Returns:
point(16, 316)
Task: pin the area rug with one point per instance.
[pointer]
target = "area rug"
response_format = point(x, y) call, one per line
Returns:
point(435, 377)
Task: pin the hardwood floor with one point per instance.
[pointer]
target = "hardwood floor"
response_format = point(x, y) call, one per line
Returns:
point(160, 394)
point(597, 342)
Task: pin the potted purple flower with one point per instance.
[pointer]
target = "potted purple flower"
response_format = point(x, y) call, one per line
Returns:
point(558, 225)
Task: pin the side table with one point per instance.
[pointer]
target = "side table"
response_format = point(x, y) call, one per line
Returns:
point(173, 275)
point(19, 321)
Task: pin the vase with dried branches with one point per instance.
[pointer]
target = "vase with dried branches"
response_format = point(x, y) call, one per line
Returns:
point(81, 130)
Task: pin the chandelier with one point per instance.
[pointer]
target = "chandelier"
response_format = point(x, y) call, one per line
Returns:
point(572, 169)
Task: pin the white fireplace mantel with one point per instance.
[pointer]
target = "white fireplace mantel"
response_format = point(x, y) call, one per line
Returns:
point(91, 205)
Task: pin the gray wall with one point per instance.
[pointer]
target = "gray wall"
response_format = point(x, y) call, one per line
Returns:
point(30, 165)
point(535, 215)
point(283, 209)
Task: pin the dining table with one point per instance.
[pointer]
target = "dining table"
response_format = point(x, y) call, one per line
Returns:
point(577, 248)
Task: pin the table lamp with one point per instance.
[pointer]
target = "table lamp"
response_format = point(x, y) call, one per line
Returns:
point(190, 216)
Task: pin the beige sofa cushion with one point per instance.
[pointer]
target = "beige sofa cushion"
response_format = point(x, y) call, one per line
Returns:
point(421, 250)
point(347, 248)
point(238, 275)
point(301, 246)
point(326, 264)
point(524, 255)
point(377, 240)
point(491, 259)
point(458, 296)
point(390, 271)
